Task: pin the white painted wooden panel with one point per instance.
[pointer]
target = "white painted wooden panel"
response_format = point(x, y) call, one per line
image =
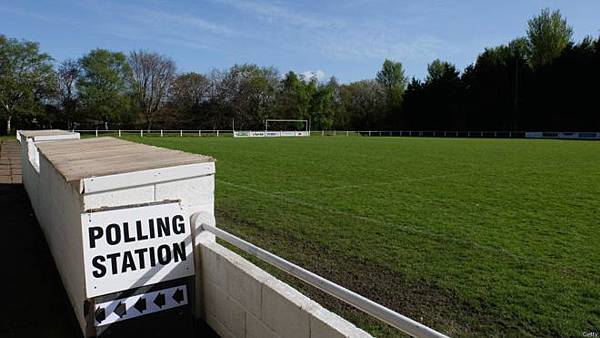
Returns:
point(191, 191)
point(146, 177)
point(120, 197)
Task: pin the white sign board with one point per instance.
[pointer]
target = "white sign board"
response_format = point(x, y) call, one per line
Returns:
point(139, 305)
point(269, 133)
point(133, 247)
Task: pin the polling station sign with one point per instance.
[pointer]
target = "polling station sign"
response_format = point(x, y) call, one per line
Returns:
point(132, 247)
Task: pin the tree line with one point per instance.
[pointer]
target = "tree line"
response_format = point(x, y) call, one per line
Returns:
point(542, 81)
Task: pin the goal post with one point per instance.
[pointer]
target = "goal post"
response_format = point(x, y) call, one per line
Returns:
point(287, 122)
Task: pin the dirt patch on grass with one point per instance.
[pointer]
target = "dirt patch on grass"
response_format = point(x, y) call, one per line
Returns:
point(418, 299)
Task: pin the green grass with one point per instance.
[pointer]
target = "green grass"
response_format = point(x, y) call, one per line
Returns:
point(470, 236)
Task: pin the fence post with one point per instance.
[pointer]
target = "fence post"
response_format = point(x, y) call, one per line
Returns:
point(199, 132)
point(96, 132)
point(510, 134)
point(346, 133)
point(369, 133)
point(180, 133)
point(334, 132)
point(141, 132)
point(119, 132)
point(217, 132)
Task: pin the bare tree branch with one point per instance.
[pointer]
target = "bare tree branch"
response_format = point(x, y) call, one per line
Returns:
point(152, 76)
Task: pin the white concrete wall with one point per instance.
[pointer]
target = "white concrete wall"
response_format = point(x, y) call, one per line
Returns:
point(58, 205)
point(196, 194)
point(58, 212)
point(241, 300)
point(29, 174)
point(30, 163)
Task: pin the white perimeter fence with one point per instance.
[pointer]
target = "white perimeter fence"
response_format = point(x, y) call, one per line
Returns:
point(372, 133)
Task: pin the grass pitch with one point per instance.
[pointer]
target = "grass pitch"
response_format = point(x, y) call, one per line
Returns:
point(470, 236)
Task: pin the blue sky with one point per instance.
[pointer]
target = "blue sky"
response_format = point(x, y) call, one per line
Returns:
point(348, 39)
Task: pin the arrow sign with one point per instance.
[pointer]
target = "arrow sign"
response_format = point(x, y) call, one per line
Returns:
point(160, 300)
point(178, 296)
point(100, 314)
point(116, 310)
point(140, 305)
point(121, 310)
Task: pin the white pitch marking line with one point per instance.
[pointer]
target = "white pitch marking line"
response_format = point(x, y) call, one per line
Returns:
point(342, 187)
point(437, 237)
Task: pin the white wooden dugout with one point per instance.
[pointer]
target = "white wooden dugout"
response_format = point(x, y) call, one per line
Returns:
point(71, 182)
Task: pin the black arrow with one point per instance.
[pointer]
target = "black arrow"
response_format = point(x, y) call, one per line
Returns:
point(178, 296)
point(121, 310)
point(160, 300)
point(100, 314)
point(140, 305)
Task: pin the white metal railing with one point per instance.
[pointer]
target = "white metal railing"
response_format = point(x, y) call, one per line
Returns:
point(230, 132)
point(156, 132)
point(366, 305)
point(422, 133)
point(408, 133)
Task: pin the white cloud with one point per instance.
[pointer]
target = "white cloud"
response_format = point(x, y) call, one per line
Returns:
point(316, 74)
point(282, 15)
point(335, 37)
point(179, 20)
point(34, 15)
point(181, 29)
point(379, 46)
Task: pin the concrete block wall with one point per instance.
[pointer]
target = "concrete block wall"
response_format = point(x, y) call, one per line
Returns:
point(242, 300)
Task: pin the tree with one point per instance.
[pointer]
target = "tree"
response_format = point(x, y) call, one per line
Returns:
point(435, 103)
point(26, 78)
point(548, 35)
point(190, 89)
point(190, 92)
point(413, 101)
point(438, 70)
point(151, 77)
point(102, 85)
point(363, 102)
point(68, 73)
point(493, 86)
point(294, 97)
point(247, 94)
point(391, 78)
point(322, 108)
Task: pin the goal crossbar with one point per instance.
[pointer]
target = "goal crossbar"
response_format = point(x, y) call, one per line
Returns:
point(285, 120)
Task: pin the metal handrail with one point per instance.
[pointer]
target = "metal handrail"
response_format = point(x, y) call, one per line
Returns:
point(376, 310)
